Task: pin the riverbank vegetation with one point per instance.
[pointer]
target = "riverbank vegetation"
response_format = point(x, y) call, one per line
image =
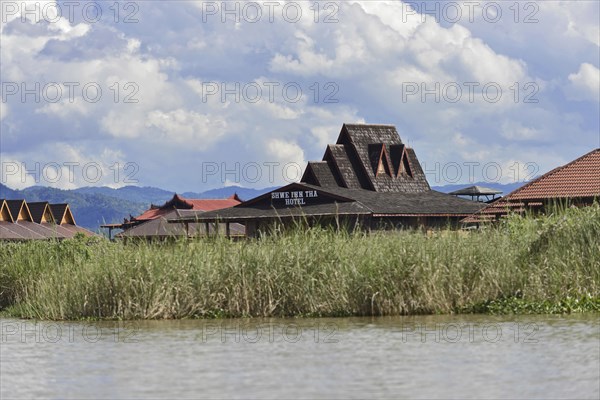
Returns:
point(545, 264)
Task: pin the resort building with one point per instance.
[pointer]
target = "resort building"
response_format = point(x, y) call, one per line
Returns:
point(574, 184)
point(20, 220)
point(152, 224)
point(369, 179)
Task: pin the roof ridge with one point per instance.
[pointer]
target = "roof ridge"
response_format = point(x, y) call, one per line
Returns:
point(366, 124)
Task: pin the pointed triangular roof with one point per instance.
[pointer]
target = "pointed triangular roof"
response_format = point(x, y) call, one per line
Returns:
point(62, 214)
point(379, 159)
point(5, 214)
point(19, 210)
point(362, 142)
point(401, 160)
point(40, 212)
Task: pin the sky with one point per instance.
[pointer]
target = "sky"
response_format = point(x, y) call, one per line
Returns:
point(194, 95)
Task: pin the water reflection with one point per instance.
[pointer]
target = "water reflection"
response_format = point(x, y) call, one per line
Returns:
point(399, 357)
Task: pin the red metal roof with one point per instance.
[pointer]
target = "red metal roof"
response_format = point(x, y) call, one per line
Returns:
point(152, 213)
point(178, 202)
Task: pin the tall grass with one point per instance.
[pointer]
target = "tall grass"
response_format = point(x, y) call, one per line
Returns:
point(546, 264)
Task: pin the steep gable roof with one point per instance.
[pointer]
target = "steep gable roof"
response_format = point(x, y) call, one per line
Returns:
point(19, 210)
point(379, 159)
point(340, 157)
point(400, 160)
point(320, 173)
point(373, 157)
point(62, 214)
point(40, 212)
point(5, 214)
point(36, 221)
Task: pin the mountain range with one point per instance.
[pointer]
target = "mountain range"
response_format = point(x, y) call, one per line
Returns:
point(94, 206)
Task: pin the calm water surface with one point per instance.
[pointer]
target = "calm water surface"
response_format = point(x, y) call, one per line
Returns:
point(541, 357)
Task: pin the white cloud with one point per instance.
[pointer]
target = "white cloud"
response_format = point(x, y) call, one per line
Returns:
point(14, 174)
point(585, 84)
point(188, 128)
point(516, 131)
point(290, 159)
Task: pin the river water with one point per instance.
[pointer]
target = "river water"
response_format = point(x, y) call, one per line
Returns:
point(443, 357)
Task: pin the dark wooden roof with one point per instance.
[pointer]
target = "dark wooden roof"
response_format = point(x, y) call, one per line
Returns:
point(5, 211)
point(58, 211)
point(319, 173)
point(38, 210)
point(15, 206)
point(342, 201)
point(243, 214)
point(349, 173)
point(355, 159)
point(429, 202)
point(363, 134)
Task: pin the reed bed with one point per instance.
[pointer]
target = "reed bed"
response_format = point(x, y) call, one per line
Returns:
point(532, 264)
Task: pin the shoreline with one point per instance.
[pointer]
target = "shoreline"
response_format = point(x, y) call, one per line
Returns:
point(507, 307)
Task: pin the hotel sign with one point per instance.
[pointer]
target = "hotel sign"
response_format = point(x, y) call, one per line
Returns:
point(295, 198)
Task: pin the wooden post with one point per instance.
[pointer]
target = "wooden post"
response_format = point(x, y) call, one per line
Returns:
point(227, 230)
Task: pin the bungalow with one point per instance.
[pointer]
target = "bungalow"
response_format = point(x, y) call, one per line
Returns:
point(576, 183)
point(20, 220)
